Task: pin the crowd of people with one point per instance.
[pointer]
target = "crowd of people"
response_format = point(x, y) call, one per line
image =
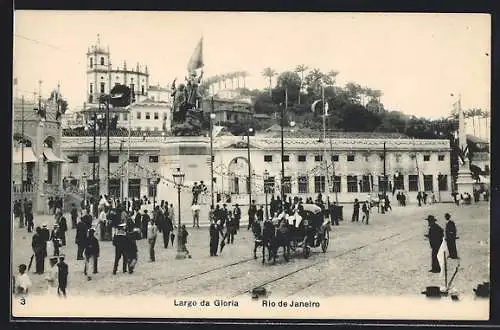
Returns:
point(125, 222)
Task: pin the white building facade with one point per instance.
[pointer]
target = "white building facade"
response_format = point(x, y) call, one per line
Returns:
point(350, 168)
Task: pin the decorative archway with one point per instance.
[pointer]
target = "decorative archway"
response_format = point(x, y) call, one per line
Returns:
point(238, 175)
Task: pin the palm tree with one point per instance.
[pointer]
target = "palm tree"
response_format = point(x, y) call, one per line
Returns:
point(269, 73)
point(301, 68)
point(232, 75)
point(332, 74)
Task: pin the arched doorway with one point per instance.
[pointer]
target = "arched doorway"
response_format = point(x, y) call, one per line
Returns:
point(238, 176)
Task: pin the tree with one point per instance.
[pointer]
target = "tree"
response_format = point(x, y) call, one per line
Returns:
point(330, 77)
point(313, 82)
point(269, 73)
point(355, 118)
point(289, 81)
point(301, 68)
point(353, 90)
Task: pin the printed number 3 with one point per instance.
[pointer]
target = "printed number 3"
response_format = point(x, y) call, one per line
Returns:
point(22, 301)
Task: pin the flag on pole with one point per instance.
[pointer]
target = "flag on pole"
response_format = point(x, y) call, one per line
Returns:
point(196, 60)
point(325, 106)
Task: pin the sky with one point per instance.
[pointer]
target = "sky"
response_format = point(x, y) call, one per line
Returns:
point(416, 60)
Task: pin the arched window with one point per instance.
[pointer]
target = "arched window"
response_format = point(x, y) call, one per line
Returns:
point(91, 62)
point(102, 60)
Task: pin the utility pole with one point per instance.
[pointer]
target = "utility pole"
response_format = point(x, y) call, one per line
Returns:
point(384, 187)
point(107, 142)
point(21, 220)
point(212, 114)
point(283, 151)
point(325, 161)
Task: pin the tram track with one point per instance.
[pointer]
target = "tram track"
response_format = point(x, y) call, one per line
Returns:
point(228, 272)
point(310, 266)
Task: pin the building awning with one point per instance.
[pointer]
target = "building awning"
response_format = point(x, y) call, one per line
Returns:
point(51, 157)
point(26, 155)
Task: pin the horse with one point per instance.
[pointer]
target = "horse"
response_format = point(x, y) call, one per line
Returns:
point(275, 237)
point(282, 239)
point(257, 233)
point(268, 240)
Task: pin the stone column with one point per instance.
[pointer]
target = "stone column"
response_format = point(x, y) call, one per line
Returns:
point(40, 199)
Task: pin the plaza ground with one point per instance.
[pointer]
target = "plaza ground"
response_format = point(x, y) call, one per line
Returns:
point(388, 257)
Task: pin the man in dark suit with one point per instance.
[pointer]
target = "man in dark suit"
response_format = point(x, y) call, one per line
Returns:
point(355, 212)
point(451, 236)
point(82, 228)
point(63, 227)
point(91, 251)
point(62, 276)
point(121, 244)
point(252, 211)
point(40, 250)
point(435, 236)
point(74, 215)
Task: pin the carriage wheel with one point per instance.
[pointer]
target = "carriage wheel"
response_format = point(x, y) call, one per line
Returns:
point(306, 251)
point(326, 240)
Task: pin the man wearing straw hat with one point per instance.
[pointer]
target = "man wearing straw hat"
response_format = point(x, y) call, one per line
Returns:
point(435, 236)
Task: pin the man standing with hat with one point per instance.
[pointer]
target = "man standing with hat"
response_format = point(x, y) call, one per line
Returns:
point(62, 276)
point(237, 216)
point(435, 236)
point(63, 226)
point(120, 243)
point(451, 236)
point(91, 251)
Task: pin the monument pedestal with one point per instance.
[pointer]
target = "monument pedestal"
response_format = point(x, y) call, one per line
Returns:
point(465, 182)
point(190, 154)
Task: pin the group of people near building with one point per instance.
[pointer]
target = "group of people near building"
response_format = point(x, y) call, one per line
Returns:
point(26, 217)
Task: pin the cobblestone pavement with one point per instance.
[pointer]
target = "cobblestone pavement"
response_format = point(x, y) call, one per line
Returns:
point(390, 256)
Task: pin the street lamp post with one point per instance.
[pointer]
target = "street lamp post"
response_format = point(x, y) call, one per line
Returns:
point(439, 186)
point(266, 177)
point(212, 117)
point(155, 185)
point(178, 181)
point(384, 186)
point(250, 130)
point(84, 181)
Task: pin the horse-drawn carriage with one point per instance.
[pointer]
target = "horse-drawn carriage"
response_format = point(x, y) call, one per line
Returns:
point(298, 230)
point(310, 231)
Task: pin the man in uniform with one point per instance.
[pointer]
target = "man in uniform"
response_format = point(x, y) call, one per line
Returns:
point(451, 236)
point(435, 236)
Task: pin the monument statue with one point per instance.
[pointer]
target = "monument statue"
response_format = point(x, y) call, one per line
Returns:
point(187, 117)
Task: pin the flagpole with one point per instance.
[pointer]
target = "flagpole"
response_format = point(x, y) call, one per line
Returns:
point(325, 162)
point(128, 146)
